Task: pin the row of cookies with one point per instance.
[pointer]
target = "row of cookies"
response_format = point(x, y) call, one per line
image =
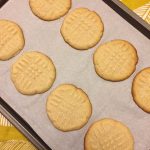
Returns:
point(81, 28)
point(81, 22)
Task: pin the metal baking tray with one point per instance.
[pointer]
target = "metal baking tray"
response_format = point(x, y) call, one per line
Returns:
point(2, 2)
point(18, 121)
point(130, 16)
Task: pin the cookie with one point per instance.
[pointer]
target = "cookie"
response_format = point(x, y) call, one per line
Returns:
point(11, 39)
point(141, 89)
point(82, 28)
point(115, 60)
point(33, 73)
point(50, 9)
point(68, 107)
point(108, 134)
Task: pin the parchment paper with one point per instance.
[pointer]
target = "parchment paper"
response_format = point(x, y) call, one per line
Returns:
point(108, 99)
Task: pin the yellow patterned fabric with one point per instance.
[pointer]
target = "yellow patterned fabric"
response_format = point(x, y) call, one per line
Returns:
point(11, 138)
point(9, 133)
point(140, 7)
point(16, 145)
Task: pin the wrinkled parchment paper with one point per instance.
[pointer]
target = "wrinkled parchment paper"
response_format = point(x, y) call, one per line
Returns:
point(108, 99)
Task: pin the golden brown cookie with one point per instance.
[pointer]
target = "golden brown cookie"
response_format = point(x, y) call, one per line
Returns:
point(115, 60)
point(82, 28)
point(108, 134)
point(68, 107)
point(11, 39)
point(50, 9)
point(33, 73)
point(141, 89)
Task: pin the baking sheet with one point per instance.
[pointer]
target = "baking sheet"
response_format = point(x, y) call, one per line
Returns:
point(108, 99)
point(130, 16)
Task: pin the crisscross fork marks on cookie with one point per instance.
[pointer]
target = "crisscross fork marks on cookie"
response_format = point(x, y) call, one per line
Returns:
point(25, 82)
point(27, 68)
point(144, 83)
point(96, 133)
point(115, 60)
point(144, 80)
point(141, 89)
point(113, 139)
point(67, 103)
point(108, 134)
point(119, 58)
point(82, 28)
point(7, 34)
point(78, 95)
point(59, 4)
point(33, 73)
point(56, 5)
point(21, 64)
point(68, 108)
point(11, 39)
point(81, 25)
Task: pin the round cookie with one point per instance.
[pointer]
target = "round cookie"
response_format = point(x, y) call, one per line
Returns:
point(115, 60)
point(141, 89)
point(50, 9)
point(108, 134)
point(82, 28)
point(33, 73)
point(68, 107)
point(11, 39)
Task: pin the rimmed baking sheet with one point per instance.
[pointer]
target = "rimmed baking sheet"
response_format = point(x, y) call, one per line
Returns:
point(130, 16)
point(108, 99)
